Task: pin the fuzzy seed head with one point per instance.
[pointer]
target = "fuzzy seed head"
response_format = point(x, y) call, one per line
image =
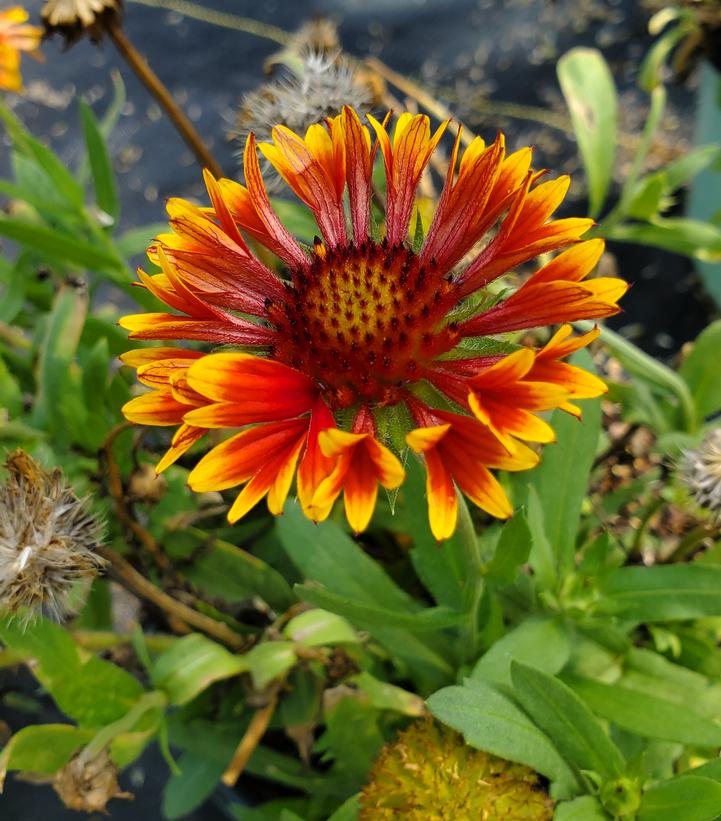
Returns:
point(700, 471)
point(429, 772)
point(48, 539)
point(314, 86)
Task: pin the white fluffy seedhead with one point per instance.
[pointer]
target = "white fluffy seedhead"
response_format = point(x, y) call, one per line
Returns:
point(700, 471)
point(318, 87)
point(48, 539)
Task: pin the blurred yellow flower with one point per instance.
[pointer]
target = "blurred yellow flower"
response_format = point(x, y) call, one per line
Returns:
point(14, 38)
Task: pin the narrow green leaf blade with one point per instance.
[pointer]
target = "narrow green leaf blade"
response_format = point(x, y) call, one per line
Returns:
point(101, 168)
point(663, 593)
point(646, 715)
point(588, 87)
point(567, 721)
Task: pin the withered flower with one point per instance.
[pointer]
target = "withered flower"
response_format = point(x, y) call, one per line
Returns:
point(700, 471)
point(74, 18)
point(48, 539)
point(88, 784)
point(311, 86)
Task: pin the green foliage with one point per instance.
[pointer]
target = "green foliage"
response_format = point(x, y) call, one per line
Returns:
point(590, 94)
point(546, 640)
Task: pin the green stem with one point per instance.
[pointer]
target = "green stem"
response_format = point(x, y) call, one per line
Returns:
point(655, 505)
point(658, 103)
point(690, 542)
point(473, 591)
point(637, 362)
point(123, 725)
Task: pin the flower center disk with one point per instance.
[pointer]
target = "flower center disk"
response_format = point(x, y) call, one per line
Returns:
point(363, 321)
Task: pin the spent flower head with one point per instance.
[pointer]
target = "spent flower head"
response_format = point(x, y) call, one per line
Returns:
point(48, 538)
point(88, 784)
point(73, 19)
point(372, 341)
point(15, 37)
point(700, 470)
point(429, 772)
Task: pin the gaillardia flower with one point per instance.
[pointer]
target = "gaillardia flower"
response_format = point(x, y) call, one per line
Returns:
point(360, 345)
point(15, 37)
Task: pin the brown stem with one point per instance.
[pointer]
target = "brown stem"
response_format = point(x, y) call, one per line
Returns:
point(155, 86)
point(117, 493)
point(425, 99)
point(137, 584)
point(255, 732)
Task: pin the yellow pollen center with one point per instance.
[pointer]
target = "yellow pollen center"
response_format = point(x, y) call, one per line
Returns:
point(363, 322)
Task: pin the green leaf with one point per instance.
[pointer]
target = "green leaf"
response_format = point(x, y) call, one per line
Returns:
point(541, 557)
point(651, 71)
point(687, 797)
point(191, 665)
point(101, 168)
point(490, 721)
point(583, 808)
point(56, 404)
point(352, 739)
point(58, 247)
point(385, 696)
point(700, 240)
point(224, 570)
point(567, 721)
point(89, 690)
point(297, 218)
point(588, 87)
point(512, 550)
point(663, 592)
point(348, 811)
point(268, 661)
point(646, 715)
point(699, 369)
point(136, 240)
point(186, 791)
point(682, 170)
point(439, 567)
point(314, 628)
point(368, 616)
point(54, 168)
point(540, 642)
point(327, 555)
point(561, 479)
point(42, 748)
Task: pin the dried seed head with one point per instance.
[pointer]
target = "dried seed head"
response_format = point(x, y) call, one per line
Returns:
point(430, 772)
point(88, 785)
point(48, 539)
point(700, 471)
point(311, 87)
point(74, 18)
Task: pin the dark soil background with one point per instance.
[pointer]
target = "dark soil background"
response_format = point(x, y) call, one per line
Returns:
point(477, 55)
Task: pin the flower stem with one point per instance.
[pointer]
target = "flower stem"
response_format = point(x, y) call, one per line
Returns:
point(256, 730)
point(156, 698)
point(155, 86)
point(134, 581)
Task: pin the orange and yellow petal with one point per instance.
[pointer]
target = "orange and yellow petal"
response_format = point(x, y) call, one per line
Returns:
point(362, 464)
